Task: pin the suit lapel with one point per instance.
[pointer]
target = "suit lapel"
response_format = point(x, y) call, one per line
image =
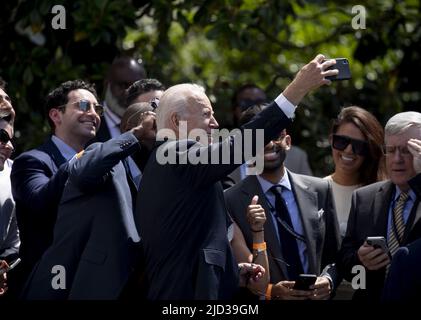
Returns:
point(251, 188)
point(414, 218)
point(308, 209)
point(380, 209)
point(51, 149)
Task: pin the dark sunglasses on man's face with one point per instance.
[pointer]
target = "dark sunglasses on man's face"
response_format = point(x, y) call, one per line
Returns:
point(340, 143)
point(85, 106)
point(4, 136)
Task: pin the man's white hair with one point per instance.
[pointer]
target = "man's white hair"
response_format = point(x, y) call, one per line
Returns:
point(401, 122)
point(177, 99)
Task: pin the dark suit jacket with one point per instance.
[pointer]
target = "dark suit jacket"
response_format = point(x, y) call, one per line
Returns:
point(91, 237)
point(368, 217)
point(182, 218)
point(404, 280)
point(38, 177)
point(316, 207)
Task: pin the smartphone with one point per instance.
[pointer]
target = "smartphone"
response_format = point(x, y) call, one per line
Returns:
point(11, 266)
point(378, 242)
point(342, 65)
point(304, 281)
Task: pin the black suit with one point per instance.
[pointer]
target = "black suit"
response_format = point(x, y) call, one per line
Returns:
point(316, 208)
point(182, 219)
point(369, 217)
point(91, 236)
point(38, 177)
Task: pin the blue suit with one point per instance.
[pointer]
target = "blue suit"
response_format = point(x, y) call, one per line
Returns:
point(404, 279)
point(38, 177)
point(95, 238)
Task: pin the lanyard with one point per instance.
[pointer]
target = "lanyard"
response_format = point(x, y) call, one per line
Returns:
point(285, 225)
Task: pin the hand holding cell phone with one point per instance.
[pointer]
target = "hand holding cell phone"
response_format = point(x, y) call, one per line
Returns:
point(342, 65)
point(374, 253)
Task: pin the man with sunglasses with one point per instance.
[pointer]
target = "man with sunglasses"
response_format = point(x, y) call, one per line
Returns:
point(9, 233)
point(38, 176)
point(306, 240)
point(95, 238)
point(388, 209)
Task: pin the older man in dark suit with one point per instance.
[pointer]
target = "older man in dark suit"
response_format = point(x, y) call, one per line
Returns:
point(302, 235)
point(390, 208)
point(180, 212)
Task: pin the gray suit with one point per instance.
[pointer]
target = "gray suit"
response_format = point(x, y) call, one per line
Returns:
point(318, 215)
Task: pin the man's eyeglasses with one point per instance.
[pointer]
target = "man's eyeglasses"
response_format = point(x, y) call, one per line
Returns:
point(390, 150)
point(85, 106)
point(4, 136)
point(340, 143)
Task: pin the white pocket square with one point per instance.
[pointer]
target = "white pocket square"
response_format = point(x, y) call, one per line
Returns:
point(320, 213)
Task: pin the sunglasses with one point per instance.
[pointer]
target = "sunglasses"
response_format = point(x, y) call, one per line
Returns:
point(340, 143)
point(85, 106)
point(4, 136)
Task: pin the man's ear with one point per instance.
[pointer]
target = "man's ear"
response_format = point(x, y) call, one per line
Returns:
point(174, 120)
point(55, 116)
point(287, 142)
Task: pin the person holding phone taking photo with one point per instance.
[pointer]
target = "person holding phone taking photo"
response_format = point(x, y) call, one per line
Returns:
point(386, 209)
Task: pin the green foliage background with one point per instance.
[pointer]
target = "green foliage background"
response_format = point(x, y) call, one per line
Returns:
point(220, 45)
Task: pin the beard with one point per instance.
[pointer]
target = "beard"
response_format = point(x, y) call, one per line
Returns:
point(270, 166)
point(113, 104)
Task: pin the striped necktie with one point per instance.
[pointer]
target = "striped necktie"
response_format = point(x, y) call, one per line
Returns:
point(397, 228)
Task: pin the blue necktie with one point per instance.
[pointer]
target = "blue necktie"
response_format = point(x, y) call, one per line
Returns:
point(288, 240)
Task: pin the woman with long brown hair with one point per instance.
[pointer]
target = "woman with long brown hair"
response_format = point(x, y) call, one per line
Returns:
point(356, 139)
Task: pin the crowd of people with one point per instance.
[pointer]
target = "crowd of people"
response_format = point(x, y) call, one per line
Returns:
point(95, 213)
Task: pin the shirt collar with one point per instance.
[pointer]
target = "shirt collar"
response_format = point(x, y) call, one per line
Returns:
point(398, 192)
point(111, 116)
point(66, 151)
point(266, 185)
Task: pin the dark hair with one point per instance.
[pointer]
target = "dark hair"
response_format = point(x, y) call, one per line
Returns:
point(234, 99)
point(60, 95)
point(140, 87)
point(2, 84)
point(249, 114)
point(373, 167)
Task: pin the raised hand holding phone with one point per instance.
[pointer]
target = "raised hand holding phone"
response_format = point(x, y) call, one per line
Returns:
point(342, 65)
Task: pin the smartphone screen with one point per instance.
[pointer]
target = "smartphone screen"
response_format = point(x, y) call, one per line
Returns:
point(304, 281)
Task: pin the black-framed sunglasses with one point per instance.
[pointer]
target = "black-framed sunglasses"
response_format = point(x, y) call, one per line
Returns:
point(85, 106)
point(340, 143)
point(4, 136)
